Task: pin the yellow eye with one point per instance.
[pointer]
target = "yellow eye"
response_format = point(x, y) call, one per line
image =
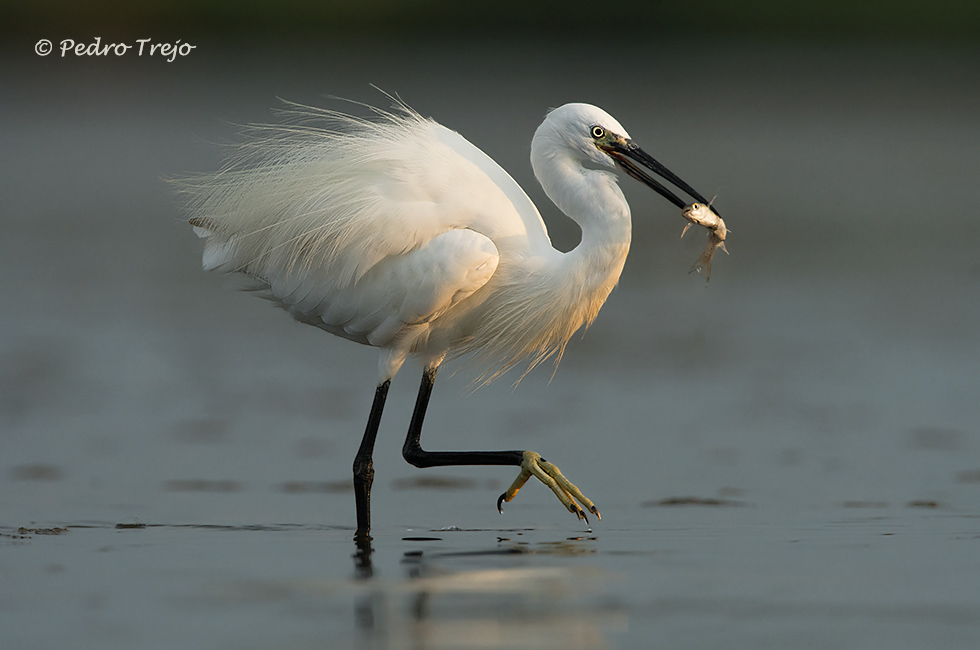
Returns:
point(598, 132)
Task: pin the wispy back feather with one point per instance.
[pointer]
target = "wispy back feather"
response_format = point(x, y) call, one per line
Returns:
point(329, 197)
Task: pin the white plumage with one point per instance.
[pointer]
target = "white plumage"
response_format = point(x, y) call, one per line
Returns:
point(398, 233)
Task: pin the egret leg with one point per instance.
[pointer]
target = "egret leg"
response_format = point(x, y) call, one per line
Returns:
point(364, 463)
point(531, 463)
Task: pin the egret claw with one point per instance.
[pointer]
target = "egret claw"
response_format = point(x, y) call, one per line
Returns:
point(550, 475)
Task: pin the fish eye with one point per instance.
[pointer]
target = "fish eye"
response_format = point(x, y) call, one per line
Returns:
point(598, 132)
point(695, 207)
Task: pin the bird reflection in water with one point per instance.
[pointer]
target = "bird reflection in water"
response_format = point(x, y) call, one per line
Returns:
point(437, 607)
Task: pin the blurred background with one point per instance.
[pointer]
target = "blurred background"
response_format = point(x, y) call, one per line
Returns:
point(901, 20)
point(842, 143)
point(832, 362)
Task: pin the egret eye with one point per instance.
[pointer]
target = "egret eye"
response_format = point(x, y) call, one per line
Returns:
point(598, 132)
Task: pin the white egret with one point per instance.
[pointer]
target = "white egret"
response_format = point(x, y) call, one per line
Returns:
point(396, 232)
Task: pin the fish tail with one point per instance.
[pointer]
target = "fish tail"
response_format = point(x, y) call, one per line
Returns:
point(703, 264)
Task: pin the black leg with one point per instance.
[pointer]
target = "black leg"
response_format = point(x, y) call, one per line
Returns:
point(414, 454)
point(364, 465)
point(529, 462)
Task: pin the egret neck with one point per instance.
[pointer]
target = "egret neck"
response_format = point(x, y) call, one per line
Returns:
point(593, 199)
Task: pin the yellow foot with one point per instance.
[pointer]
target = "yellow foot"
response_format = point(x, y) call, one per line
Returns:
point(550, 475)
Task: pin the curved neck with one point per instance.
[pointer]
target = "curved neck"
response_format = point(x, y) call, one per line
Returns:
point(592, 198)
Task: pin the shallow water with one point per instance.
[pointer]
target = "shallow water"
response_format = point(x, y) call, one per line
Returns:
point(786, 458)
point(699, 576)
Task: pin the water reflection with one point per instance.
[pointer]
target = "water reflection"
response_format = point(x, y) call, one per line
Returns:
point(362, 556)
point(527, 606)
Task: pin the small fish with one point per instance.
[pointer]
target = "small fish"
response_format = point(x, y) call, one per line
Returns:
point(702, 215)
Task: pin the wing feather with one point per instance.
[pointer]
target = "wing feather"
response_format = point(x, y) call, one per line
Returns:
point(369, 229)
point(341, 199)
point(398, 297)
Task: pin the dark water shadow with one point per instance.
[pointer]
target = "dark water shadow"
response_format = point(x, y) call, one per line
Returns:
point(245, 528)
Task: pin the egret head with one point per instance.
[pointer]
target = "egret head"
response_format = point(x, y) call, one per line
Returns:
point(597, 139)
point(570, 130)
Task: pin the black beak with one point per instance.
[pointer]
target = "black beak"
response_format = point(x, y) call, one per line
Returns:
point(627, 154)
